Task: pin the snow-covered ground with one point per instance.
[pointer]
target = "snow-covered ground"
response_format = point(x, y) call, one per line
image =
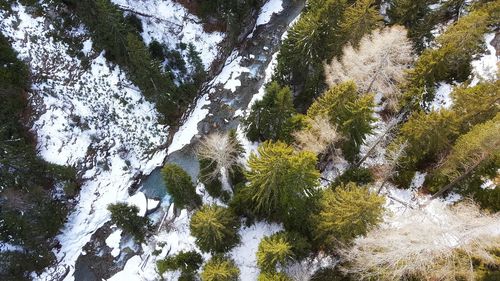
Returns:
point(486, 66)
point(170, 23)
point(90, 117)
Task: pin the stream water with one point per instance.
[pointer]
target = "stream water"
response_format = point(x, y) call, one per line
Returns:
point(154, 186)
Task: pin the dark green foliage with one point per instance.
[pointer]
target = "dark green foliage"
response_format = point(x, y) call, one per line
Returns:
point(212, 186)
point(360, 176)
point(271, 117)
point(314, 38)
point(135, 22)
point(126, 218)
point(156, 50)
point(280, 248)
point(351, 113)
point(229, 13)
point(180, 186)
point(215, 228)
point(187, 262)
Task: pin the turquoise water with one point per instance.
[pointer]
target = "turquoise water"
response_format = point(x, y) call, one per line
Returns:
point(154, 186)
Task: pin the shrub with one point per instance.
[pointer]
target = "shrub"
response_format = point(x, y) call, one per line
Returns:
point(273, 276)
point(360, 176)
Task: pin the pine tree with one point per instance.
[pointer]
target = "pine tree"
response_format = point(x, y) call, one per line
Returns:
point(347, 212)
point(451, 61)
point(476, 104)
point(414, 15)
point(478, 147)
point(315, 37)
point(220, 269)
point(282, 182)
point(270, 118)
point(360, 19)
point(273, 276)
point(180, 186)
point(351, 114)
point(426, 136)
point(273, 250)
point(126, 218)
point(215, 228)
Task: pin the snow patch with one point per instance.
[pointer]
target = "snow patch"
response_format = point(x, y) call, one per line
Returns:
point(266, 12)
point(244, 254)
point(113, 241)
point(140, 201)
point(486, 67)
point(442, 98)
point(190, 128)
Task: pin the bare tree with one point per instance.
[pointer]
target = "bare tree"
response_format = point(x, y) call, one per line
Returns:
point(320, 137)
point(221, 150)
point(434, 243)
point(378, 65)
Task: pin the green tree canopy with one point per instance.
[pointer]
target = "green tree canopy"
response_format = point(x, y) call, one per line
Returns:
point(215, 228)
point(282, 182)
point(270, 118)
point(346, 212)
point(274, 250)
point(273, 276)
point(180, 186)
point(350, 112)
point(220, 268)
point(126, 218)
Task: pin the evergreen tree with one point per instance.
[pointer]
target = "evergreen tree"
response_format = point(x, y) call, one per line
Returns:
point(126, 218)
point(478, 147)
point(180, 186)
point(426, 137)
point(346, 212)
point(282, 183)
point(476, 104)
point(317, 36)
point(215, 228)
point(273, 250)
point(360, 19)
point(219, 268)
point(351, 113)
point(451, 61)
point(273, 276)
point(187, 262)
point(270, 118)
point(414, 15)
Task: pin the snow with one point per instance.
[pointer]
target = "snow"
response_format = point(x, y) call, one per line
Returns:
point(170, 23)
point(442, 98)
point(152, 204)
point(113, 241)
point(244, 254)
point(139, 200)
point(190, 128)
point(130, 271)
point(486, 66)
point(266, 12)
point(230, 74)
point(7, 247)
point(92, 118)
point(87, 47)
